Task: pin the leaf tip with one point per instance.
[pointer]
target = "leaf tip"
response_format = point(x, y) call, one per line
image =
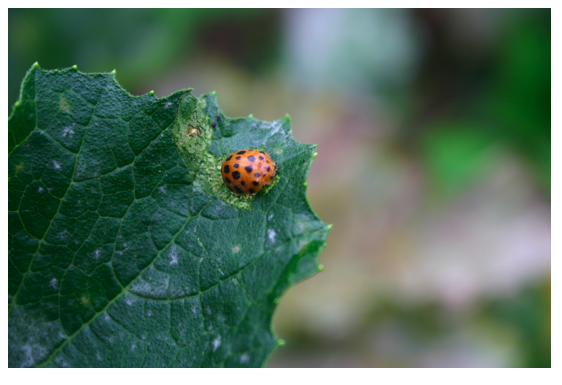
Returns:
point(305, 184)
point(320, 268)
point(314, 155)
point(36, 64)
point(280, 342)
point(151, 93)
point(74, 67)
point(329, 226)
point(113, 72)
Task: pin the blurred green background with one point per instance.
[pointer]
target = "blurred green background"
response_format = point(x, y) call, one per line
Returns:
point(434, 160)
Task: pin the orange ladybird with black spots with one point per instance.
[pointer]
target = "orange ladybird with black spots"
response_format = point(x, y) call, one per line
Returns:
point(247, 171)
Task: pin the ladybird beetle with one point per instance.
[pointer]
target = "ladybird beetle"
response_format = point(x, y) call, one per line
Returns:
point(246, 171)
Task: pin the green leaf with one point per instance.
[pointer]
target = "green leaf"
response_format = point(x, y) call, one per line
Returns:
point(125, 248)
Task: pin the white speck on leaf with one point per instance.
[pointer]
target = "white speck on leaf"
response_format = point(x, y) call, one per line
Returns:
point(68, 131)
point(40, 190)
point(162, 189)
point(271, 235)
point(56, 165)
point(244, 358)
point(54, 283)
point(63, 235)
point(129, 302)
point(149, 313)
point(97, 254)
point(216, 343)
point(173, 257)
point(270, 217)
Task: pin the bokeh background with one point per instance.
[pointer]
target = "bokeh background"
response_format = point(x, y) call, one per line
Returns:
point(434, 161)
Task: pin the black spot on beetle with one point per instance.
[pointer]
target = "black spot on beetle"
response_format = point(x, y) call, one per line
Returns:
point(226, 169)
point(261, 157)
point(251, 158)
point(262, 152)
point(229, 157)
point(248, 169)
point(256, 183)
point(236, 165)
point(238, 157)
point(228, 180)
point(251, 191)
point(214, 125)
point(243, 183)
point(268, 169)
point(241, 152)
point(257, 174)
point(235, 174)
point(239, 190)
